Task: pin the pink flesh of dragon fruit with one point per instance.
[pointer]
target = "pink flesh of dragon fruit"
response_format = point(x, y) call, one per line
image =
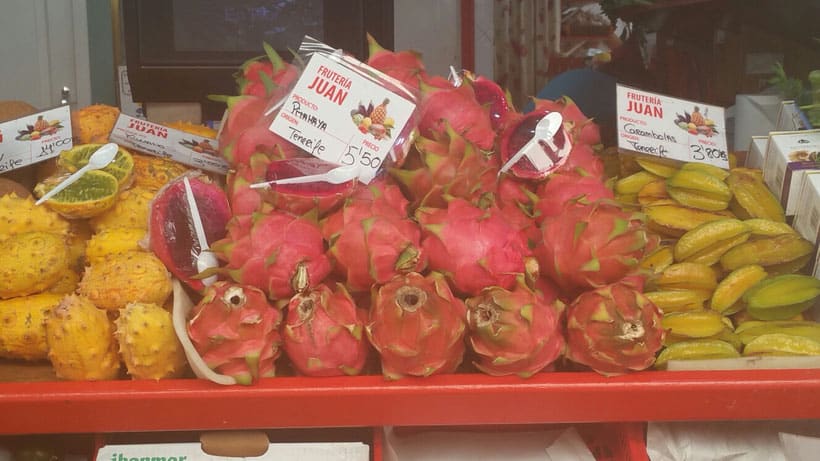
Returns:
point(417, 326)
point(513, 331)
point(561, 187)
point(518, 131)
point(590, 245)
point(490, 94)
point(236, 331)
point(278, 252)
point(458, 108)
point(301, 198)
point(370, 242)
point(614, 329)
point(172, 236)
point(451, 167)
point(324, 333)
point(474, 248)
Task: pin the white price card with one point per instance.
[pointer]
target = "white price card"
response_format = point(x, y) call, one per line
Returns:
point(34, 138)
point(341, 116)
point(155, 139)
point(663, 126)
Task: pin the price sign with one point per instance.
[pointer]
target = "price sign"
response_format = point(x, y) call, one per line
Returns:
point(34, 138)
point(341, 116)
point(155, 139)
point(663, 126)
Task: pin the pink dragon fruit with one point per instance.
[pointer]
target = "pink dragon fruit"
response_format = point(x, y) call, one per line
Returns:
point(278, 252)
point(405, 66)
point(562, 187)
point(614, 329)
point(489, 93)
point(324, 333)
point(371, 242)
point(473, 247)
point(513, 331)
point(243, 111)
point(269, 76)
point(451, 167)
point(590, 245)
point(417, 326)
point(236, 331)
point(457, 108)
point(582, 134)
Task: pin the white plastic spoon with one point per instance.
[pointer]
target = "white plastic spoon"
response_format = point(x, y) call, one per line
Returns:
point(205, 259)
point(99, 159)
point(544, 131)
point(338, 175)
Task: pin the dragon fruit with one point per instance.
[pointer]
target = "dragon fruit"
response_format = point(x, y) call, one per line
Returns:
point(590, 245)
point(582, 133)
point(277, 252)
point(269, 76)
point(513, 331)
point(172, 236)
point(324, 333)
point(562, 187)
point(371, 242)
point(457, 108)
point(236, 331)
point(473, 247)
point(405, 66)
point(613, 329)
point(489, 93)
point(451, 167)
point(417, 326)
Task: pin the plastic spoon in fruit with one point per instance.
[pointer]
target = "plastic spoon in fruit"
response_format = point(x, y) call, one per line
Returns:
point(544, 131)
point(206, 258)
point(99, 159)
point(338, 175)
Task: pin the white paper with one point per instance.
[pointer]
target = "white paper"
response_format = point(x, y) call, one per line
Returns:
point(569, 446)
point(800, 447)
point(730, 440)
point(472, 445)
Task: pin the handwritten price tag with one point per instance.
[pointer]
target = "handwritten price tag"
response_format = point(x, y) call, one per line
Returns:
point(34, 138)
point(663, 126)
point(342, 117)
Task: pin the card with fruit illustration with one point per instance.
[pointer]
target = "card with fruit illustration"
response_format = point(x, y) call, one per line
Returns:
point(38, 129)
point(667, 127)
point(373, 120)
point(34, 138)
point(696, 122)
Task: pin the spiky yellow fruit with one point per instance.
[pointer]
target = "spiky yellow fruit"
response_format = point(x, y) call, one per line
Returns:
point(118, 279)
point(130, 210)
point(68, 283)
point(112, 241)
point(31, 262)
point(19, 215)
point(22, 326)
point(80, 339)
point(92, 124)
point(148, 344)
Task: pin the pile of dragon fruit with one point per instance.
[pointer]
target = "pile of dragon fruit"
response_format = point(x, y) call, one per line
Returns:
point(439, 265)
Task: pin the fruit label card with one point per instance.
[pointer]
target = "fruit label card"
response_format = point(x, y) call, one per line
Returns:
point(341, 116)
point(34, 138)
point(667, 127)
point(155, 139)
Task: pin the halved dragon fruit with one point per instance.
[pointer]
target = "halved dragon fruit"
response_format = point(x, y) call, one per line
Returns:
point(171, 230)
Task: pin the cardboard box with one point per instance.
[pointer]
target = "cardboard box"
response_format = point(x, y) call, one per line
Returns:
point(757, 152)
point(789, 155)
point(807, 214)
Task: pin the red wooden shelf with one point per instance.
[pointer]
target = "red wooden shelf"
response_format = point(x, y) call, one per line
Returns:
point(464, 399)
